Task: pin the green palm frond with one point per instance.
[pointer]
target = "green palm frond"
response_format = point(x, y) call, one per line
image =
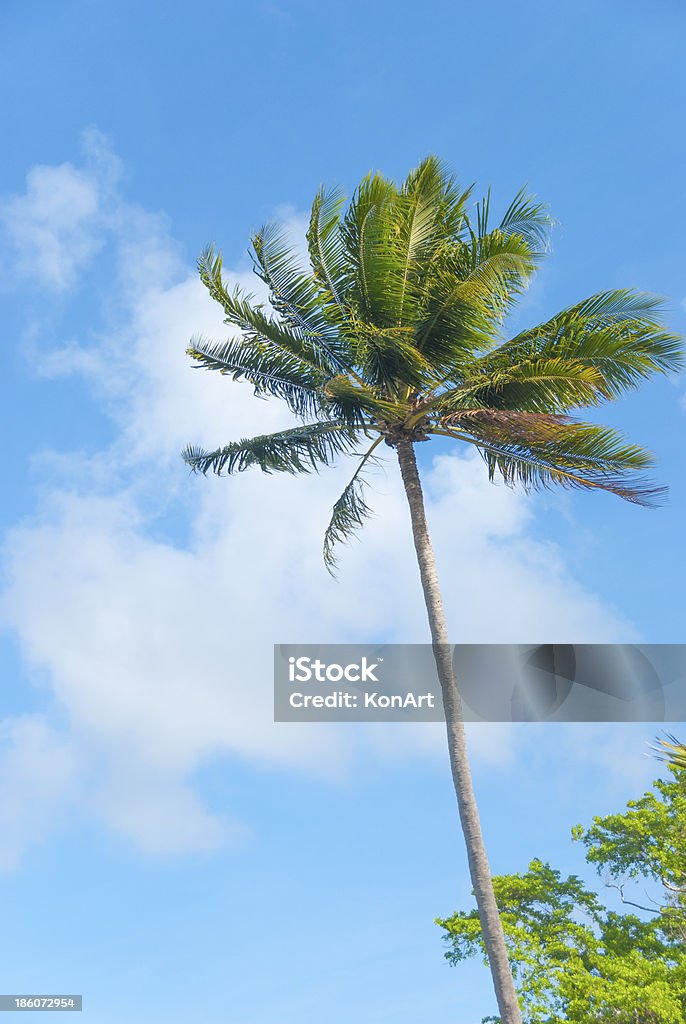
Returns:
point(242, 313)
point(349, 512)
point(618, 332)
point(389, 359)
point(298, 450)
point(499, 266)
point(536, 451)
point(295, 294)
point(541, 385)
point(353, 400)
point(618, 304)
point(367, 227)
point(271, 371)
point(416, 237)
point(471, 287)
point(430, 213)
point(530, 220)
point(325, 245)
point(670, 750)
point(482, 213)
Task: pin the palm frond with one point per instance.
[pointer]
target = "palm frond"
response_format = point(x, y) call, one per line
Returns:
point(529, 219)
point(271, 371)
point(498, 267)
point(471, 287)
point(298, 450)
point(430, 211)
point(670, 750)
point(538, 452)
point(389, 359)
point(483, 212)
point(618, 332)
point(367, 228)
point(240, 312)
point(616, 305)
point(391, 236)
point(541, 385)
point(325, 246)
point(449, 197)
point(349, 512)
point(294, 294)
point(353, 400)
point(522, 426)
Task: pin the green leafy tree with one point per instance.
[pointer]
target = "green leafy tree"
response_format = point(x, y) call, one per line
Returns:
point(393, 334)
point(574, 959)
point(647, 841)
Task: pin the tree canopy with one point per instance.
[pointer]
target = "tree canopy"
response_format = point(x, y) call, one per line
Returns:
point(577, 960)
point(395, 329)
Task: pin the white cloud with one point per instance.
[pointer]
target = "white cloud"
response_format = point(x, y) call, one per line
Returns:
point(161, 813)
point(58, 225)
point(38, 780)
point(158, 649)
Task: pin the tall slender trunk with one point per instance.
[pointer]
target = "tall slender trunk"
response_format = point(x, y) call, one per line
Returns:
point(480, 873)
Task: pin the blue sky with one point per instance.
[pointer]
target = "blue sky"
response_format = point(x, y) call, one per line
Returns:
point(164, 847)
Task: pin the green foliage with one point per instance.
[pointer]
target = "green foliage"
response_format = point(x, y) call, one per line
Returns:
point(576, 960)
point(670, 750)
point(349, 512)
point(647, 841)
point(394, 329)
point(299, 450)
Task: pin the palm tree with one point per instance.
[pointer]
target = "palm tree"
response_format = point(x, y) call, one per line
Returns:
point(393, 335)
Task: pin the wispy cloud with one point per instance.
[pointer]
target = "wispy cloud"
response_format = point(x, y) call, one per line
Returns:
point(60, 222)
point(38, 780)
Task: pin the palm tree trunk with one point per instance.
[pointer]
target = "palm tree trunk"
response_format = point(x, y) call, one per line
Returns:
point(480, 873)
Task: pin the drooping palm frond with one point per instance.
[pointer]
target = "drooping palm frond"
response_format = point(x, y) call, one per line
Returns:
point(506, 423)
point(537, 451)
point(349, 512)
point(298, 450)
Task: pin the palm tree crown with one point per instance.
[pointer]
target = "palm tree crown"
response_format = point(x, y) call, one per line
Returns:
point(395, 332)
